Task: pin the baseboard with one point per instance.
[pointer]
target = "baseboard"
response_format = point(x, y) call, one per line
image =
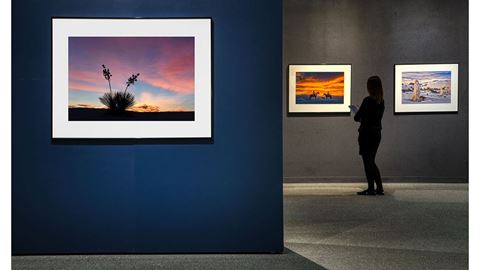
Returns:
point(386, 179)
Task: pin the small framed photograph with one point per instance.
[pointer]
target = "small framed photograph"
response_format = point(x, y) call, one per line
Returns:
point(426, 88)
point(131, 78)
point(319, 88)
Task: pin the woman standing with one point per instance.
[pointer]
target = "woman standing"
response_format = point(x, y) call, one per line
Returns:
point(370, 116)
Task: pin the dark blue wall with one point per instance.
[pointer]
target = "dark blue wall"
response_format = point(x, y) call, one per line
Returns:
point(105, 198)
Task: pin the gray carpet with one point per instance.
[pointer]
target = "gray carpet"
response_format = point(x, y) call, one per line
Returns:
point(286, 261)
point(415, 226)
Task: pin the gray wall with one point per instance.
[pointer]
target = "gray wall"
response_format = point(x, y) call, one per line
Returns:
point(373, 35)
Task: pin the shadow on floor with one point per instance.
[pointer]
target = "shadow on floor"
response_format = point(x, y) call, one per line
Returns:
point(287, 260)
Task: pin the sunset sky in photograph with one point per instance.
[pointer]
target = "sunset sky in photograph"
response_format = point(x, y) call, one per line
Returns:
point(165, 64)
point(321, 82)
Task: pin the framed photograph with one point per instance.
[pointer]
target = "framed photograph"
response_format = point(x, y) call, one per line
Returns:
point(131, 78)
point(319, 88)
point(426, 88)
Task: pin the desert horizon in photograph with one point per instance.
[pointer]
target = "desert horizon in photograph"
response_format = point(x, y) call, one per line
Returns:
point(131, 78)
point(427, 87)
point(319, 87)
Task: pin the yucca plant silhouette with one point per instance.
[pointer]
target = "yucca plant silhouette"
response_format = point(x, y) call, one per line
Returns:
point(107, 75)
point(116, 101)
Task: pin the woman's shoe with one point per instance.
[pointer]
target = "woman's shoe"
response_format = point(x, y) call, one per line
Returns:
point(367, 192)
point(379, 192)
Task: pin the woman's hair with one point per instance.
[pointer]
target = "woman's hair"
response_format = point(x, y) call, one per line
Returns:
point(375, 89)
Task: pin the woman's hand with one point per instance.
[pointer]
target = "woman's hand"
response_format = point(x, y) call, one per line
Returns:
point(353, 108)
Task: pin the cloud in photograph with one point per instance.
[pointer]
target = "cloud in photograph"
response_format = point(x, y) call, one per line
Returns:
point(166, 66)
point(321, 82)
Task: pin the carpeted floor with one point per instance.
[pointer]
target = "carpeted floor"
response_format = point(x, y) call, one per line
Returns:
point(414, 226)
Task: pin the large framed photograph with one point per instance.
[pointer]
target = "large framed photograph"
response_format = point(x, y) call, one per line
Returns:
point(131, 78)
point(426, 88)
point(319, 88)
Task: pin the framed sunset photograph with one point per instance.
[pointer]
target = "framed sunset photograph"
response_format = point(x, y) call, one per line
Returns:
point(131, 78)
point(319, 88)
point(426, 88)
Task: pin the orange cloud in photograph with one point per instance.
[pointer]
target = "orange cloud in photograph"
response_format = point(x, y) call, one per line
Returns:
point(320, 82)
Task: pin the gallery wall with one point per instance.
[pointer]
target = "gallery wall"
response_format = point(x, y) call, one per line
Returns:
point(123, 197)
point(373, 35)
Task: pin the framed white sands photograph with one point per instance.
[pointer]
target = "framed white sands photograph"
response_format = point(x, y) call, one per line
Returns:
point(426, 88)
point(131, 78)
point(319, 88)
